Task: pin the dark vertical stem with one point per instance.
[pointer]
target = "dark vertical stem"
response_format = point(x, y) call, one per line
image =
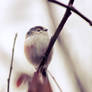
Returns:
point(11, 66)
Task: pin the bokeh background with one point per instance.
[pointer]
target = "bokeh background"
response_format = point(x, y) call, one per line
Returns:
point(72, 58)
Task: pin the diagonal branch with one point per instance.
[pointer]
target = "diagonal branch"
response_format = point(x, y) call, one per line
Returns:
point(71, 7)
point(10, 71)
point(55, 36)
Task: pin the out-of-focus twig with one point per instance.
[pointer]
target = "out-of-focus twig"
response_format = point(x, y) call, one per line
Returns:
point(55, 81)
point(11, 65)
point(71, 7)
point(70, 64)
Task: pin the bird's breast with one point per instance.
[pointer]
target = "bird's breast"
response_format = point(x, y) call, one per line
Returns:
point(35, 47)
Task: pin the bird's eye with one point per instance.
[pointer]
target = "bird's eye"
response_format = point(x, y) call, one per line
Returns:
point(38, 30)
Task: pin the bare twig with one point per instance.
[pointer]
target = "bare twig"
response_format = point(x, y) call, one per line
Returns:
point(55, 36)
point(10, 71)
point(71, 7)
point(55, 81)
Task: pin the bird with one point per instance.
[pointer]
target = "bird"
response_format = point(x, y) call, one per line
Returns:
point(35, 45)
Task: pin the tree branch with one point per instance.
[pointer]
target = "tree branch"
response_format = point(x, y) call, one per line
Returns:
point(55, 36)
point(10, 71)
point(71, 7)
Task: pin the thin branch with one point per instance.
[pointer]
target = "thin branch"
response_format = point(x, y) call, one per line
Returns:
point(74, 10)
point(10, 71)
point(55, 36)
point(55, 81)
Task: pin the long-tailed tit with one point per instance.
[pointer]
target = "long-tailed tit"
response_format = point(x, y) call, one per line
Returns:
point(35, 45)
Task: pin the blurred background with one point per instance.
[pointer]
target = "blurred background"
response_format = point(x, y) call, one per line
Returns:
point(72, 58)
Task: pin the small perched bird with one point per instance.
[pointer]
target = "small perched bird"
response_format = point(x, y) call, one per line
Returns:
point(35, 45)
